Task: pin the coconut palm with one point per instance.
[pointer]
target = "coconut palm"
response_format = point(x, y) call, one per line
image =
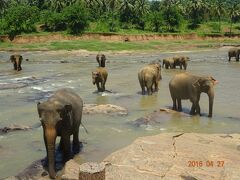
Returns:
point(218, 7)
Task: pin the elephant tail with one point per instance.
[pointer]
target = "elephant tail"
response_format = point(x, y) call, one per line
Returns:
point(84, 128)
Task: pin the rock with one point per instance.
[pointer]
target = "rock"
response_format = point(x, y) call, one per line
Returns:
point(104, 109)
point(34, 171)
point(13, 127)
point(71, 171)
point(64, 61)
point(177, 156)
point(157, 117)
point(92, 171)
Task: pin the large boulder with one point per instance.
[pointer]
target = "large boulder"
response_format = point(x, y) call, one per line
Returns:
point(158, 116)
point(177, 156)
point(104, 109)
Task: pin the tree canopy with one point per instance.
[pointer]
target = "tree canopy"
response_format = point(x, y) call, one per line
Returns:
point(75, 16)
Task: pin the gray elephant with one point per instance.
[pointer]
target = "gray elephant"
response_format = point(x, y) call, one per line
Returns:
point(181, 61)
point(60, 116)
point(17, 61)
point(149, 76)
point(188, 86)
point(99, 76)
point(234, 52)
point(168, 63)
point(101, 58)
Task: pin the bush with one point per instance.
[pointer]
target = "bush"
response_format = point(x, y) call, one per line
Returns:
point(21, 18)
point(156, 22)
point(76, 18)
point(53, 21)
point(172, 18)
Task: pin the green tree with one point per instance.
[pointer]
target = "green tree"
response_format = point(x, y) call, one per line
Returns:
point(172, 18)
point(76, 18)
point(218, 7)
point(233, 12)
point(20, 19)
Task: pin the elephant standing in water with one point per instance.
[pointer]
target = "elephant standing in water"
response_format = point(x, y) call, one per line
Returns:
point(188, 86)
point(17, 61)
point(234, 52)
point(101, 58)
point(99, 76)
point(60, 116)
point(149, 76)
point(168, 63)
point(181, 61)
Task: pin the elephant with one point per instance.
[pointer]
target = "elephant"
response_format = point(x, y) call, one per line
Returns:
point(168, 62)
point(188, 86)
point(234, 52)
point(149, 76)
point(181, 61)
point(101, 58)
point(17, 61)
point(100, 76)
point(60, 116)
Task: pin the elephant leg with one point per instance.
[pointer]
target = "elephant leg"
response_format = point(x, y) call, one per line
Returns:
point(192, 112)
point(66, 147)
point(174, 103)
point(76, 145)
point(229, 58)
point(179, 104)
point(98, 87)
point(103, 85)
point(149, 90)
point(180, 66)
point(143, 89)
point(156, 85)
point(198, 109)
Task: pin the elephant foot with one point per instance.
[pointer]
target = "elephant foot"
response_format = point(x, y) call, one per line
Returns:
point(76, 148)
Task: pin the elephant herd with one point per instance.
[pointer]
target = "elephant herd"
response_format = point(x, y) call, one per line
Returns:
point(61, 114)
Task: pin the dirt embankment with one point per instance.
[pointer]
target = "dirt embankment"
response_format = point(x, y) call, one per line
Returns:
point(110, 37)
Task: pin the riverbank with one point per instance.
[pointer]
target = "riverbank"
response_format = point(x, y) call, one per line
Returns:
point(115, 43)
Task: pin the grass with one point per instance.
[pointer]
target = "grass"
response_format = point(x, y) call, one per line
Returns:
point(98, 45)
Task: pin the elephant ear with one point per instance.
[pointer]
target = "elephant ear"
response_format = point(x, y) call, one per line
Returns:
point(39, 113)
point(12, 58)
point(198, 82)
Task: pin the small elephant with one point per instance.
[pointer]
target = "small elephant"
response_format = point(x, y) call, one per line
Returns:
point(101, 58)
point(149, 76)
point(17, 61)
point(168, 63)
point(188, 86)
point(181, 61)
point(100, 76)
point(234, 52)
point(60, 116)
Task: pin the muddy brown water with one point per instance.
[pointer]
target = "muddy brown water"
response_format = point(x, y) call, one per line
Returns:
point(44, 73)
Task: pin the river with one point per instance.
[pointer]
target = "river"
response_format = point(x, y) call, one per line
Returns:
point(44, 73)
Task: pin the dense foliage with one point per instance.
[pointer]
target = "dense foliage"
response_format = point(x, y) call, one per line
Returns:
point(75, 16)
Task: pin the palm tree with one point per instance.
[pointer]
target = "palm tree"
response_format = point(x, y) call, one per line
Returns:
point(126, 10)
point(197, 10)
point(234, 11)
point(218, 7)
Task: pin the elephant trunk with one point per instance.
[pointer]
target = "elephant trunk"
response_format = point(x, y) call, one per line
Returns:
point(211, 98)
point(50, 137)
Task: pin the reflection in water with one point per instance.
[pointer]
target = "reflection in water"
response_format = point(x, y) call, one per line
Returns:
point(147, 102)
point(108, 133)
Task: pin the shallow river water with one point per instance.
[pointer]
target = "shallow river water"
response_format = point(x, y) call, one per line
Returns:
point(107, 133)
